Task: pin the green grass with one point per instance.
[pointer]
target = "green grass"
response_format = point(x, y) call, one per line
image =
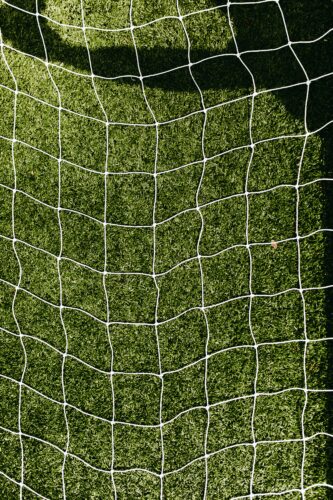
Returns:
point(222, 365)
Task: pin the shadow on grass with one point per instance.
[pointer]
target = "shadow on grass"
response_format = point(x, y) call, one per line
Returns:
point(257, 27)
point(327, 136)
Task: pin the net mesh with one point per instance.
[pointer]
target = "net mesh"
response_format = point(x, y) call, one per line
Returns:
point(136, 337)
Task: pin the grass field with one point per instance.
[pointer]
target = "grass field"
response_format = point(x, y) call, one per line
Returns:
point(165, 249)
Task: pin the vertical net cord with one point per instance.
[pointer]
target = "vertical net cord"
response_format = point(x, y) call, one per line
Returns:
point(248, 246)
point(20, 269)
point(154, 248)
point(64, 355)
point(105, 245)
point(198, 256)
point(299, 262)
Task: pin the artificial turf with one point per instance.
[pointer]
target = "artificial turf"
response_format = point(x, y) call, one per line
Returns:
point(142, 218)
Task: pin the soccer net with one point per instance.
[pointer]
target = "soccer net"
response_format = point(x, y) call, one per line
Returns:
point(165, 241)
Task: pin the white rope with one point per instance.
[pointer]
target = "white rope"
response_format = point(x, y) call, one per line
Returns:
point(197, 257)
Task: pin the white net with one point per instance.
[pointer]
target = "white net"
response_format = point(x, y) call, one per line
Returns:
point(166, 272)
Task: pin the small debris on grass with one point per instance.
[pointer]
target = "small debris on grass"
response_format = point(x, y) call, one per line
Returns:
point(274, 244)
